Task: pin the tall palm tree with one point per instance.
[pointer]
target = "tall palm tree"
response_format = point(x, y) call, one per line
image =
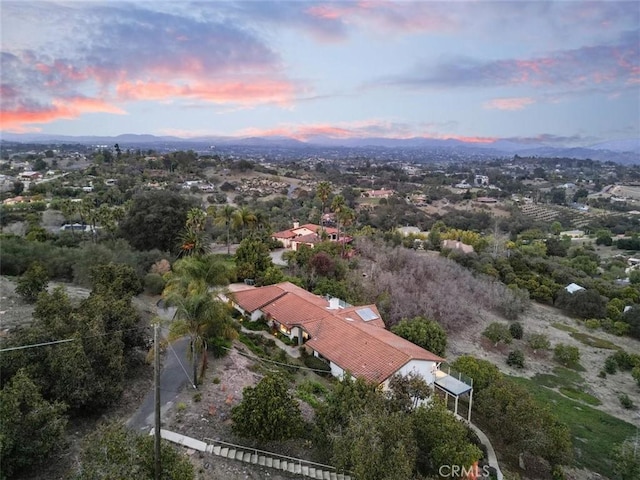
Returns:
point(346, 218)
point(67, 208)
point(323, 191)
point(225, 217)
point(244, 218)
point(337, 206)
point(199, 316)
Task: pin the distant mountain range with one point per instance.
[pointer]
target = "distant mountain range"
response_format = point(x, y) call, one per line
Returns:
point(622, 151)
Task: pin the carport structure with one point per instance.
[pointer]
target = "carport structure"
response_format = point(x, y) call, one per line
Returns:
point(455, 384)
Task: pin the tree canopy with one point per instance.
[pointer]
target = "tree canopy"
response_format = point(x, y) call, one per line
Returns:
point(268, 411)
point(155, 220)
point(423, 332)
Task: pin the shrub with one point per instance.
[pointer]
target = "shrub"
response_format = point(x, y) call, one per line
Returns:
point(197, 397)
point(317, 364)
point(498, 332)
point(602, 374)
point(516, 330)
point(154, 283)
point(566, 355)
point(515, 359)
point(32, 282)
point(592, 324)
point(625, 401)
point(610, 365)
point(623, 360)
point(621, 328)
point(635, 373)
point(539, 341)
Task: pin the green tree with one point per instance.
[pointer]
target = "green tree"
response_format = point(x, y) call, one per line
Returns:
point(87, 373)
point(113, 451)
point(498, 332)
point(115, 279)
point(267, 411)
point(483, 372)
point(424, 333)
point(252, 258)
point(349, 398)
point(442, 439)
point(32, 282)
point(511, 413)
point(155, 219)
point(377, 445)
point(30, 427)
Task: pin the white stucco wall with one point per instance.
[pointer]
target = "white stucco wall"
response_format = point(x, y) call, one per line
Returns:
point(423, 367)
point(336, 371)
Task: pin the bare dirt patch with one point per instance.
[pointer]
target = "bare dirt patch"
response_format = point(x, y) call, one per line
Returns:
point(540, 319)
point(205, 414)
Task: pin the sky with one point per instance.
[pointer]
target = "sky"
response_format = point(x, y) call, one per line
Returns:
point(563, 73)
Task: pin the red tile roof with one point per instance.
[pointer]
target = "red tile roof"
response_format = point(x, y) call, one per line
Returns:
point(364, 348)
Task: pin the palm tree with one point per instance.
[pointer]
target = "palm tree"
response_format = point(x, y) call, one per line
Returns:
point(192, 242)
point(196, 219)
point(225, 217)
point(192, 239)
point(196, 274)
point(323, 191)
point(199, 316)
point(346, 217)
point(67, 208)
point(244, 218)
point(338, 205)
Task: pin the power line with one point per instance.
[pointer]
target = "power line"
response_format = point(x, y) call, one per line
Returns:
point(21, 347)
point(277, 363)
point(53, 342)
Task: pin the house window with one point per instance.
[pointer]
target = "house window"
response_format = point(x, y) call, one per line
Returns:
point(284, 329)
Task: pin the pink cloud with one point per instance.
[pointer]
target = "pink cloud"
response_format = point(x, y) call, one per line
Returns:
point(68, 108)
point(223, 91)
point(513, 103)
point(359, 129)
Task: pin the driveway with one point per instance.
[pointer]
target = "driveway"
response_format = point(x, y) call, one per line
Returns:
point(174, 376)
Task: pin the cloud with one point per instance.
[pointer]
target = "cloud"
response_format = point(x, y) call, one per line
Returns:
point(18, 119)
point(513, 103)
point(362, 129)
point(121, 53)
point(608, 67)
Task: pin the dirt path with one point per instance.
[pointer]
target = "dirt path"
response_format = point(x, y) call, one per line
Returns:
point(540, 319)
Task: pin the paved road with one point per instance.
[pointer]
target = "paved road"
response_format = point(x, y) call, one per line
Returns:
point(175, 376)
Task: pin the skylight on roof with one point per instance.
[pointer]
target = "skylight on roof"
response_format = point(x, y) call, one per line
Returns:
point(366, 314)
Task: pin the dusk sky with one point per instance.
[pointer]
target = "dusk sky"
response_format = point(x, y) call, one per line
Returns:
point(565, 72)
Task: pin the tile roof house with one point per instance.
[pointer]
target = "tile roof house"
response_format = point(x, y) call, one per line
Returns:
point(308, 234)
point(351, 338)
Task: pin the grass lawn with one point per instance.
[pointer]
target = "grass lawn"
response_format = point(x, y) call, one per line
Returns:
point(585, 338)
point(594, 433)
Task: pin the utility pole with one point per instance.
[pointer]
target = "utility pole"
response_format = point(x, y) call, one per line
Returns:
point(156, 380)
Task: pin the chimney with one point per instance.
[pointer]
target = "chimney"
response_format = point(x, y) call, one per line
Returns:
point(296, 224)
